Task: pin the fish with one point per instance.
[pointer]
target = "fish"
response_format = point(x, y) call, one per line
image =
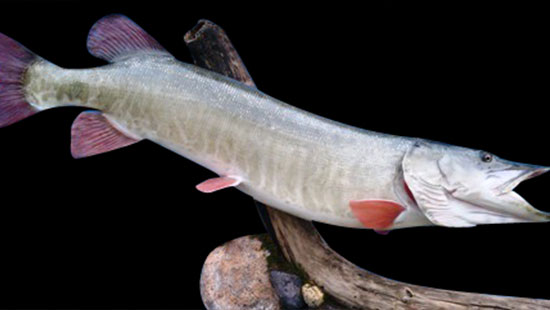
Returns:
point(303, 164)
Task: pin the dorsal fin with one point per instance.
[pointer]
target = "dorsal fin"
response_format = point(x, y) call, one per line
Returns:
point(116, 37)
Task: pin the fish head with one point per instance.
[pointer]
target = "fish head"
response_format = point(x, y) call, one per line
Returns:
point(461, 187)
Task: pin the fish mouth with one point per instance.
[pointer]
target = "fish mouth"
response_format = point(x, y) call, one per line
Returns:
point(512, 203)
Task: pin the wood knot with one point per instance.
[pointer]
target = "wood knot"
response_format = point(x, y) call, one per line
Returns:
point(407, 295)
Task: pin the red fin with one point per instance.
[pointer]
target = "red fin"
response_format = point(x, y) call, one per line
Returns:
point(14, 60)
point(215, 184)
point(115, 36)
point(376, 214)
point(93, 134)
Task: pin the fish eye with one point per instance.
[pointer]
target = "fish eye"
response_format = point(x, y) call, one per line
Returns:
point(486, 157)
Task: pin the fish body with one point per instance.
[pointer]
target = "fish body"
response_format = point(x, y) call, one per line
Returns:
point(289, 158)
point(303, 164)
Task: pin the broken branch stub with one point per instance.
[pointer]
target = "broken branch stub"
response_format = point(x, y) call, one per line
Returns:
point(211, 49)
point(303, 246)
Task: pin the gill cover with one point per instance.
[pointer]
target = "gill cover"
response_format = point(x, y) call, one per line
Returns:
point(427, 183)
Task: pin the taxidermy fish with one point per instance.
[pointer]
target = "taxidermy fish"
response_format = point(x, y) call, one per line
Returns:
point(306, 165)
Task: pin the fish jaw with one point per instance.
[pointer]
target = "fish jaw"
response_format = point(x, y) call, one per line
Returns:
point(522, 173)
point(511, 203)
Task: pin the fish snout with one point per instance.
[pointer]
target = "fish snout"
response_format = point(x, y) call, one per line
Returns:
point(536, 171)
point(516, 174)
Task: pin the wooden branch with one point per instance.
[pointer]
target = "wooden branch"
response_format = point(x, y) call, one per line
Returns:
point(303, 246)
point(211, 49)
point(358, 288)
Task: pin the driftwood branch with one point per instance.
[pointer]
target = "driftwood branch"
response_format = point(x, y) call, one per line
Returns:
point(358, 288)
point(211, 49)
point(302, 245)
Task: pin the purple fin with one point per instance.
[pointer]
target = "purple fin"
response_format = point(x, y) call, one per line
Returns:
point(92, 134)
point(14, 60)
point(116, 36)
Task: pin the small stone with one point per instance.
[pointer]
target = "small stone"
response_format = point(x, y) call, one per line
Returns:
point(313, 295)
point(287, 287)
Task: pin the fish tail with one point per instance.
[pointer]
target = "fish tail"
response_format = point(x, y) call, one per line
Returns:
point(14, 61)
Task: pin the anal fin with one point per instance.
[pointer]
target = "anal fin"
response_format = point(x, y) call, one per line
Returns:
point(376, 214)
point(92, 133)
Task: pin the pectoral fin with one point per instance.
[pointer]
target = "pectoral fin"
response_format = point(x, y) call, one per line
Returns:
point(376, 214)
point(215, 184)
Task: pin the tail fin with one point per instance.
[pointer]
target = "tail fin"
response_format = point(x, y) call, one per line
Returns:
point(14, 61)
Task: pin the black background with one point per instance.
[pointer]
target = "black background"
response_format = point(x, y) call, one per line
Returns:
point(128, 228)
